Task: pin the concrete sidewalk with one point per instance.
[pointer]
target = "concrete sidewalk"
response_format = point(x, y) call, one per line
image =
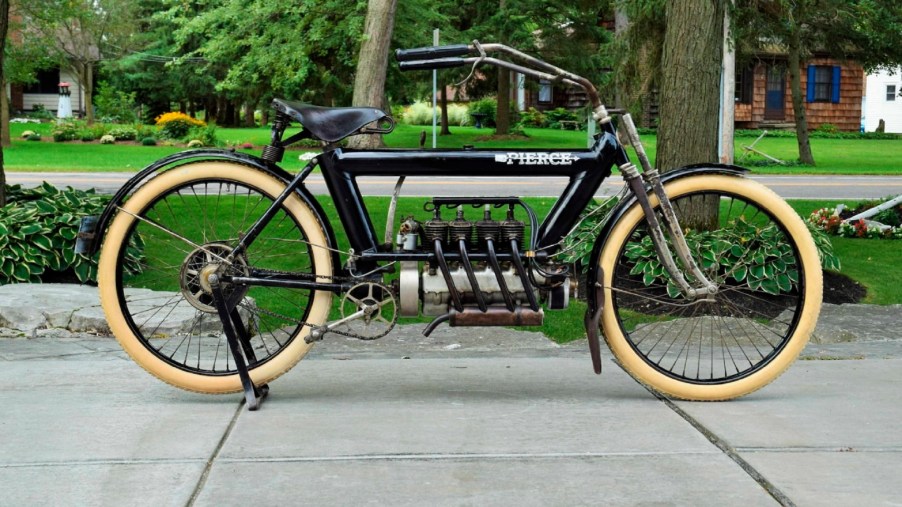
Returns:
point(479, 417)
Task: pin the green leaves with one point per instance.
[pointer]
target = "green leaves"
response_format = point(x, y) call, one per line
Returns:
point(37, 234)
point(757, 257)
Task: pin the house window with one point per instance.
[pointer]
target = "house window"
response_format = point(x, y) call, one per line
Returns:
point(890, 93)
point(745, 81)
point(47, 81)
point(823, 83)
point(545, 92)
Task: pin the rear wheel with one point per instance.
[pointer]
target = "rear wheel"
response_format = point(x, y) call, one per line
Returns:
point(174, 232)
point(758, 252)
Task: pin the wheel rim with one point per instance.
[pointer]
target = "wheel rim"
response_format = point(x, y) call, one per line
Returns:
point(184, 232)
point(737, 331)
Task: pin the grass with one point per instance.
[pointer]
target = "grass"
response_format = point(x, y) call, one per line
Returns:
point(877, 269)
point(834, 156)
point(873, 263)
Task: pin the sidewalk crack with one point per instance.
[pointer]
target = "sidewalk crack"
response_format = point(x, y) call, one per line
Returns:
point(202, 481)
point(730, 452)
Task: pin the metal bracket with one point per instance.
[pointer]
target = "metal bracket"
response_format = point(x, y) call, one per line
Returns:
point(239, 345)
point(593, 316)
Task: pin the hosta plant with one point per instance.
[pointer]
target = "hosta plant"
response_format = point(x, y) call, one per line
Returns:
point(38, 229)
point(741, 254)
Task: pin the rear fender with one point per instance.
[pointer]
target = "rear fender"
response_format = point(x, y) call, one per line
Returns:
point(185, 157)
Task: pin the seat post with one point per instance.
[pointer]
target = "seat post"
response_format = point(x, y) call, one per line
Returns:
point(274, 151)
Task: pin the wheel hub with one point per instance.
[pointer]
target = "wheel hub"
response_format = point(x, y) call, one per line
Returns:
point(194, 279)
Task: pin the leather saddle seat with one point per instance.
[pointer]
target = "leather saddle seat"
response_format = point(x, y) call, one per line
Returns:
point(329, 124)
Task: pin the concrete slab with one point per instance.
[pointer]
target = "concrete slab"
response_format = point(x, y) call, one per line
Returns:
point(470, 405)
point(834, 478)
point(815, 405)
point(60, 412)
point(100, 484)
point(656, 479)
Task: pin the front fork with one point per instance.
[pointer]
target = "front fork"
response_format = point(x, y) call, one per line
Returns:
point(651, 178)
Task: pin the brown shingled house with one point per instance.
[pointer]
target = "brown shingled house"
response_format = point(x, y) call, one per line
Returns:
point(832, 94)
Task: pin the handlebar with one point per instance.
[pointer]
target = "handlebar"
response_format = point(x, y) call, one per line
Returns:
point(432, 52)
point(438, 63)
point(440, 57)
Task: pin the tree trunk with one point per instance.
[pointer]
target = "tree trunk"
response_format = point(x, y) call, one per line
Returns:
point(621, 25)
point(445, 131)
point(88, 87)
point(5, 137)
point(690, 96)
point(503, 112)
point(369, 83)
point(798, 104)
point(249, 114)
point(4, 27)
point(690, 83)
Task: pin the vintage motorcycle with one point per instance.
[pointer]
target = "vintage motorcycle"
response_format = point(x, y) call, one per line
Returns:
point(705, 284)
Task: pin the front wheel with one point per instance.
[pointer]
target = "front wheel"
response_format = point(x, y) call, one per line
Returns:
point(757, 251)
point(160, 250)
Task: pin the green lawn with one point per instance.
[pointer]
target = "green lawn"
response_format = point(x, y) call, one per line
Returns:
point(874, 263)
point(834, 156)
point(876, 268)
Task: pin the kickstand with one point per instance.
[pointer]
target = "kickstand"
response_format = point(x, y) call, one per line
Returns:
point(593, 315)
point(239, 344)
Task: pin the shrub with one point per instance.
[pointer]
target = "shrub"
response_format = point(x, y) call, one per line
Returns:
point(195, 143)
point(828, 128)
point(124, 133)
point(488, 107)
point(148, 141)
point(38, 229)
point(556, 116)
point(28, 133)
point(114, 106)
point(39, 112)
point(66, 131)
point(33, 137)
point(175, 125)
point(206, 135)
point(420, 113)
point(87, 137)
point(107, 139)
point(533, 118)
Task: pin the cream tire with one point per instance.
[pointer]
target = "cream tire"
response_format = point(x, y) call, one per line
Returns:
point(636, 365)
point(109, 289)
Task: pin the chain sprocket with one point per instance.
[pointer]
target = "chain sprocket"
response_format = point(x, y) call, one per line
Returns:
point(370, 311)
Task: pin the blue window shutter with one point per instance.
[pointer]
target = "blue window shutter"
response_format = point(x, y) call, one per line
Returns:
point(810, 87)
point(834, 96)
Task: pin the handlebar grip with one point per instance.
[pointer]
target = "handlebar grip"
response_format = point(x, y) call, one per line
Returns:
point(432, 52)
point(440, 63)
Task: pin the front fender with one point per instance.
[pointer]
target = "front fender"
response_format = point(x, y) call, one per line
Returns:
point(185, 157)
point(621, 208)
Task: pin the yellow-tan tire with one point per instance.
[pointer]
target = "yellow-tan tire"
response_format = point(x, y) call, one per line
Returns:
point(210, 213)
point(718, 349)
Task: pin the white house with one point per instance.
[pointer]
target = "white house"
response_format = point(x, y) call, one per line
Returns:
point(45, 91)
point(882, 101)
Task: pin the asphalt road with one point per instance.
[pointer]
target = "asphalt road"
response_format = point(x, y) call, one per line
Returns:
point(789, 187)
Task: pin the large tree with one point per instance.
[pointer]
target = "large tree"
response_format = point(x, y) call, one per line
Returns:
point(80, 33)
point(4, 28)
point(690, 83)
point(369, 82)
point(866, 31)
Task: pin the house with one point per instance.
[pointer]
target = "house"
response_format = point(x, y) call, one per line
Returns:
point(882, 101)
point(44, 91)
point(832, 89)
